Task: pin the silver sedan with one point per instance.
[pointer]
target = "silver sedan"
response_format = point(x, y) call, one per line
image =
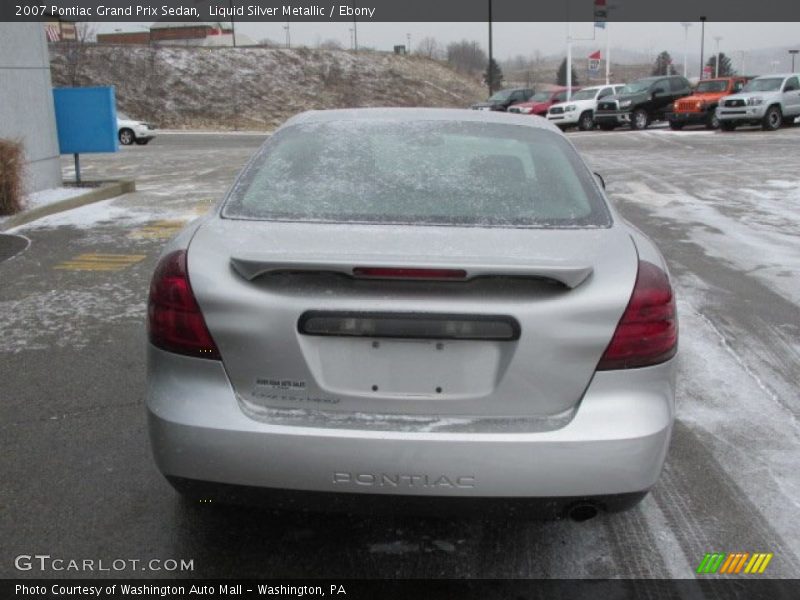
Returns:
point(413, 306)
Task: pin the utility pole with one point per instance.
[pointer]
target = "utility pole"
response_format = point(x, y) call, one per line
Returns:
point(233, 27)
point(686, 48)
point(355, 34)
point(569, 59)
point(717, 38)
point(288, 35)
point(490, 70)
point(608, 55)
point(408, 37)
point(702, 47)
point(793, 53)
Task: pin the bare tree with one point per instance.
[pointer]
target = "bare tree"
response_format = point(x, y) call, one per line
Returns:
point(467, 56)
point(429, 48)
point(75, 51)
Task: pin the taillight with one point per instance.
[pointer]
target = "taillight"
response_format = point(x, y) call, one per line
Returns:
point(174, 320)
point(647, 333)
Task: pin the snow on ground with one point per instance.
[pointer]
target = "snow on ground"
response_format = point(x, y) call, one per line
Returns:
point(76, 315)
point(99, 213)
point(45, 197)
point(52, 195)
point(757, 230)
point(749, 428)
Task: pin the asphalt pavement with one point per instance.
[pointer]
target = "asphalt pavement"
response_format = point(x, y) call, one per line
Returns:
point(78, 481)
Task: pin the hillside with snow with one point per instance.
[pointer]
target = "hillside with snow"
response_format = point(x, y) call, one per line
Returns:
point(256, 88)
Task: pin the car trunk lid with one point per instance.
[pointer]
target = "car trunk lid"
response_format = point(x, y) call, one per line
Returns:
point(519, 332)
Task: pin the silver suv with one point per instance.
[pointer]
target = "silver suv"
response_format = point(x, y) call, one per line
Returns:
point(769, 101)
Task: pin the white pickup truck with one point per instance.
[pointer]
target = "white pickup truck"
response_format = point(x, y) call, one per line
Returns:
point(769, 101)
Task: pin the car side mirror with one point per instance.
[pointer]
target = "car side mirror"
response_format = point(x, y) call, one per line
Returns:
point(600, 180)
point(790, 88)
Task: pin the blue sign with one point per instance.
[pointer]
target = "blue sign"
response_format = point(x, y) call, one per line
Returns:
point(86, 119)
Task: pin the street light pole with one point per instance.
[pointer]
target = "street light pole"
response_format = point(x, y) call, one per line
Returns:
point(490, 69)
point(233, 26)
point(702, 46)
point(717, 38)
point(793, 53)
point(608, 56)
point(686, 48)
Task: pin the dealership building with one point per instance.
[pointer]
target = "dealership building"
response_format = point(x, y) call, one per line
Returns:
point(27, 113)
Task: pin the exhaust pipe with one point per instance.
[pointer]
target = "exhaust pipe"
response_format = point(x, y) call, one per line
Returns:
point(582, 511)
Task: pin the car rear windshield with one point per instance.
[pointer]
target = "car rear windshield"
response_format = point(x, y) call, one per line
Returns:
point(420, 172)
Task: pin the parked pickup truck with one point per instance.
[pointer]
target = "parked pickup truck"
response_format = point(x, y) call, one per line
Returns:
point(641, 102)
point(701, 107)
point(769, 101)
point(579, 110)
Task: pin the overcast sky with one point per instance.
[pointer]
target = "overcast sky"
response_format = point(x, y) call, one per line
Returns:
point(526, 38)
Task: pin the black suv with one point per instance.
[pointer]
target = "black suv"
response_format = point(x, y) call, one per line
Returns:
point(641, 102)
point(503, 99)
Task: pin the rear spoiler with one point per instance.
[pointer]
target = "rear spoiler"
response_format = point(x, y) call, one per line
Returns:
point(570, 275)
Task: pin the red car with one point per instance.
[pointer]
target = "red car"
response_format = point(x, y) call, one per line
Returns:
point(541, 101)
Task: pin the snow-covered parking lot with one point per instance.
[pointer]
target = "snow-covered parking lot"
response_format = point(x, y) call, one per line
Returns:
point(725, 211)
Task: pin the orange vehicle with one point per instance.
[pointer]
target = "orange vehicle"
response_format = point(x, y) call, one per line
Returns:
point(701, 107)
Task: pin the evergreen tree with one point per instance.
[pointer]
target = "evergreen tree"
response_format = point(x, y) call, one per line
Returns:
point(725, 66)
point(495, 80)
point(561, 76)
point(663, 65)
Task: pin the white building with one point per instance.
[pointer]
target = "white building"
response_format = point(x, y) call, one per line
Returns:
point(27, 113)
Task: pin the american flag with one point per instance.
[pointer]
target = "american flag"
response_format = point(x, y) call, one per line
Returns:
point(53, 33)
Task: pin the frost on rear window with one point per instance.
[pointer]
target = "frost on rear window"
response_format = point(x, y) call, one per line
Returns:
point(421, 172)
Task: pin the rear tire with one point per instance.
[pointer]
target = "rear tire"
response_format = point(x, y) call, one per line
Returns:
point(586, 121)
point(640, 119)
point(727, 125)
point(772, 119)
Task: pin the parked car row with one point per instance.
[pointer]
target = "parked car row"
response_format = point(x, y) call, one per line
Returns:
point(723, 102)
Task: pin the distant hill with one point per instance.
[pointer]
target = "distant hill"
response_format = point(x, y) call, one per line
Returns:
point(256, 88)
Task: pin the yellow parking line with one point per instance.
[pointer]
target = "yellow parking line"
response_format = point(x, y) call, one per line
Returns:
point(159, 229)
point(100, 262)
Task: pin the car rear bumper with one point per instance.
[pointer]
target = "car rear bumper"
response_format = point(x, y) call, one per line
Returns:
point(615, 443)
